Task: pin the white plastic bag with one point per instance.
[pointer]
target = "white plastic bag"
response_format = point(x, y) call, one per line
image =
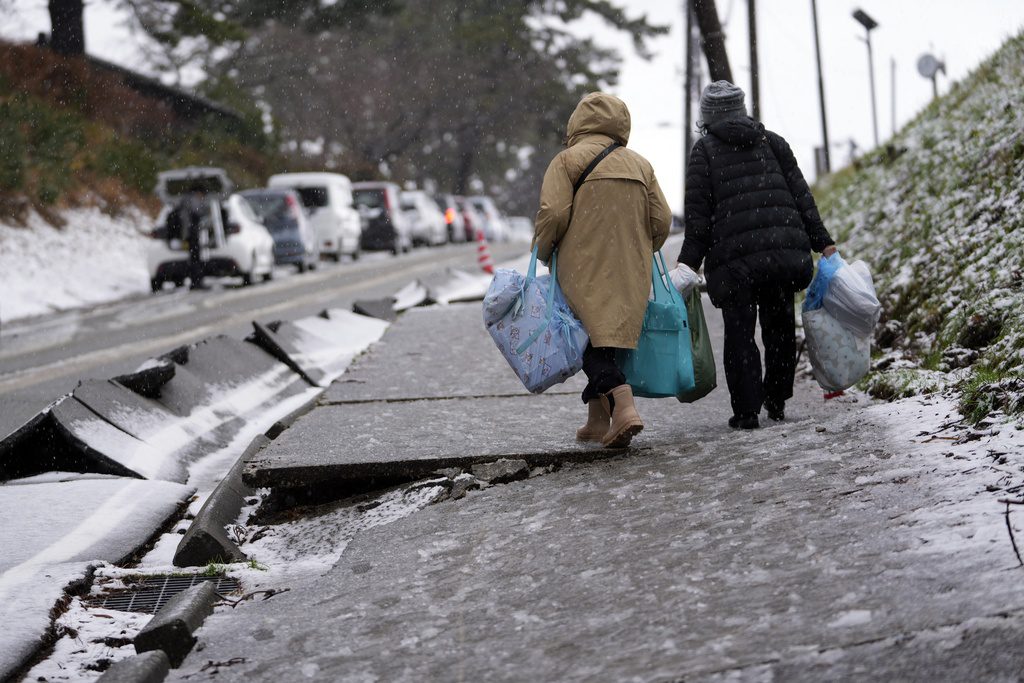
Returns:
point(839, 357)
point(851, 299)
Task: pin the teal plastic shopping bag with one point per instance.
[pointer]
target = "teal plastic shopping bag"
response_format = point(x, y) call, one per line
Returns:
point(661, 365)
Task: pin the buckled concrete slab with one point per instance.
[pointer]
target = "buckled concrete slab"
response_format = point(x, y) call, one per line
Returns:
point(434, 353)
point(107, 449)
point(148, 667)
point(413, 294)
point(414, 438)
point(172, 628)
point(206, 540)
point(36, 446)
point(148, 379)
point(130, 412)
point(377, 308)
point(284, 342)
point(222, 361)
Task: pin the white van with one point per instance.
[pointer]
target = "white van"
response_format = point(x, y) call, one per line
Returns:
point(327, 198)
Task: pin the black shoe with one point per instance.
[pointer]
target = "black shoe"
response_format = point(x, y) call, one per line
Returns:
point(744, 422)
point(776, 411)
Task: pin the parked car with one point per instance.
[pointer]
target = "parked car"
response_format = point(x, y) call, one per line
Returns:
point(425, 219)
point(281, 212)
point(495, 228)
point(327, 198)
point(472, 218)
point(454, 221)
point(236, 243)
point(520, 229)
point(385, 226)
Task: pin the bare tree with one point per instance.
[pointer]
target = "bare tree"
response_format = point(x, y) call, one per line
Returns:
point(712, 39)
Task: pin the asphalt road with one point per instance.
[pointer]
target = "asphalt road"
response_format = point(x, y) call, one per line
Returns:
point(44, 358)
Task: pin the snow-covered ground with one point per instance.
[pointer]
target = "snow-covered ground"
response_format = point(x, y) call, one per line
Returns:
point(94, 259)
point(39, 566)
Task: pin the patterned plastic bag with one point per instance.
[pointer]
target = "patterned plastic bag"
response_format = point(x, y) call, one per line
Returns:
point(839, 356)
point(533, 327)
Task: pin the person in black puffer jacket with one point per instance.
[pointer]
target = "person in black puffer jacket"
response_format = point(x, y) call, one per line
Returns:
point(751, 219)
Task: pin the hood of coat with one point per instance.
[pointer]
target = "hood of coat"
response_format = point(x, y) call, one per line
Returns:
point(599, 114)
point(740, 132)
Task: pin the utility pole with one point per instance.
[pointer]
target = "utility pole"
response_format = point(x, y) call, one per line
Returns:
point(892, 76)
point(755, 76)
point(712, 40)
point(827, 158)
point(870, 24)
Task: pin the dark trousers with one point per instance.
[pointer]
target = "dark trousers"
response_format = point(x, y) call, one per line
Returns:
point(602, 372)
point(195, 257)
point(742, 359)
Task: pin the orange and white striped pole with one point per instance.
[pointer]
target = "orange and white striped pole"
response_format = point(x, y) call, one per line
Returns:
point(483, 255)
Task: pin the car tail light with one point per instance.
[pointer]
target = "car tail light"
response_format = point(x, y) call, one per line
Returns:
point(449, 215)
point(292, 205)
point(232, 228)
point(387, 201)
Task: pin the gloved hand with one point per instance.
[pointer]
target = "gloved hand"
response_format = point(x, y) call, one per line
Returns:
point(683, 278)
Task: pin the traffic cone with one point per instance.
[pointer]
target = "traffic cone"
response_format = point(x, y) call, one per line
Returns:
point(483, 255)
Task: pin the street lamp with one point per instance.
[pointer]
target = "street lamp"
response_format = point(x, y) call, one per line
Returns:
point(869, 24)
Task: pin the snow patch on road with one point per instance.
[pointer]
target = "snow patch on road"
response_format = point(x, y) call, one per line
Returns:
point(94, 259)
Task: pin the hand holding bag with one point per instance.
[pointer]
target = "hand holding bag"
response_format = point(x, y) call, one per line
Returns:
point(533, 326)
point(661, 365)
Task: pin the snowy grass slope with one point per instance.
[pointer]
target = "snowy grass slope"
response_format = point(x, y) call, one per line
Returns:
point(939, 214)
point(94, 259)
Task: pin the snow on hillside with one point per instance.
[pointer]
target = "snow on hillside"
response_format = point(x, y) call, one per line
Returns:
point(939, 214)
point(94, 258)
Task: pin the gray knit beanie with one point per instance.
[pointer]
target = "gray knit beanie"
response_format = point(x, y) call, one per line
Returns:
point(721, 100)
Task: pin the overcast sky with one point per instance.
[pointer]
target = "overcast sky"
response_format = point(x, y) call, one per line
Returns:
point(963, 33)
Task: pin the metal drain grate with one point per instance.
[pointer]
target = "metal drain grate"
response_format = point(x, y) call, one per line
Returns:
point(151, 593)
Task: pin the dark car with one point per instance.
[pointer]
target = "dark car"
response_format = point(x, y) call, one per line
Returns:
point(453, 217)
point(281, 213)
point(385, 226)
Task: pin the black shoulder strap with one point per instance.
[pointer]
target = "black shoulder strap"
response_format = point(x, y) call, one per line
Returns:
point(593, 164)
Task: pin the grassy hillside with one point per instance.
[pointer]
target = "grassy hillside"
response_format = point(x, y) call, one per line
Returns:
point(71, 135)
point(939, 215)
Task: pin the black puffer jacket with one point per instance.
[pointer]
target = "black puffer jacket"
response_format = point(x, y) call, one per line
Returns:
point(749, 214)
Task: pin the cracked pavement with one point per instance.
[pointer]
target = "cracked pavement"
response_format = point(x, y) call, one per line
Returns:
point(835, 546)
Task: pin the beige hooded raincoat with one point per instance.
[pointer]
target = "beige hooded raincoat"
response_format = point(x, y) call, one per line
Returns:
point(620, 218)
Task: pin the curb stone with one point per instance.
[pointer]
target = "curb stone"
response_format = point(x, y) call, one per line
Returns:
point(288, 420)
point(148, 667)
point(206, 541)
point(172, 628)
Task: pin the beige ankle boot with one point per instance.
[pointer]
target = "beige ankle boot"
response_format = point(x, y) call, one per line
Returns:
point(626, 422)
point(597, 421)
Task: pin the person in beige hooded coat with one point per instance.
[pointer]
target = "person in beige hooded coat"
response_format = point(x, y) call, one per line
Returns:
point(605, 236)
